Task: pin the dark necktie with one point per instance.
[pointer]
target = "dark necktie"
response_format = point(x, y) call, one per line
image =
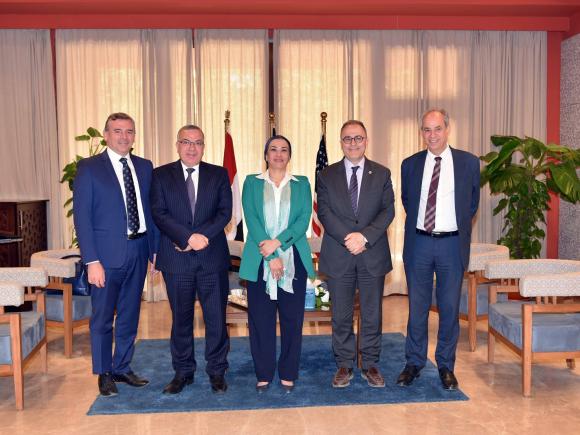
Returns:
point(190, 191)
point(429, 222)
point(132, 211)
point(353, 190)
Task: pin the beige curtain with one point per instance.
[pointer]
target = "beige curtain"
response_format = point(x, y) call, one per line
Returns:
point(29, 167)
point(232, 74)
point(490, 82)
point(145, 73)
point(312, 74)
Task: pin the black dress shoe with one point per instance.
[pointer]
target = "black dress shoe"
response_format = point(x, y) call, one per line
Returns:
point(262, 388)
point(107, 386)
point(408, 375)
point(218, 383)
point(448, 379)
point(177, 384)
point(287, 388)
point(130, 378)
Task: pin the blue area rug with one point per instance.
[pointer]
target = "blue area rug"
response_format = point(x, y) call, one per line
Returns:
point(153, 361)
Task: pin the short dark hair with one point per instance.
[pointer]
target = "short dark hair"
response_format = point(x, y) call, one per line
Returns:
point(353, 122)
point(190, 127)
point(115, 116)
point(443, 113)
point(273, 138)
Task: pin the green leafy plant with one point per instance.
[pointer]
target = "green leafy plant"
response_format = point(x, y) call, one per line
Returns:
point(96, 144)
point(524, 171)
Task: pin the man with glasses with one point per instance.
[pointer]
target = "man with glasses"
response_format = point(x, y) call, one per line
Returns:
point(191, 202)
point(355, 206)
point(116, 237)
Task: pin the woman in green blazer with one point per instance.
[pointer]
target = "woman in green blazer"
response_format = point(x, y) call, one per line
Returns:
point(276, 263)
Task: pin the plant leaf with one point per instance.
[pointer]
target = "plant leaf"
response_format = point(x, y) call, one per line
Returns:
point(82, 137)
point(566, 180)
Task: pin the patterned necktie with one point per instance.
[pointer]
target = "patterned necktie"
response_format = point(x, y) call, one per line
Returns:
point(353, 190)
point(132, 211)
point(429, 222)
point(190, 191)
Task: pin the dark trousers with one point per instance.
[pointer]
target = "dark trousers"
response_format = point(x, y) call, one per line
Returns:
point(342, 293)
point(262, 323)
point(441, 257)
point(212, 291)
point(122, 292)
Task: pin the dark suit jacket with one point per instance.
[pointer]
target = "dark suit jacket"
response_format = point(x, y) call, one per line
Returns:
point(466, 175)
point(172, 214)
point(100, 214)
point(376, 210)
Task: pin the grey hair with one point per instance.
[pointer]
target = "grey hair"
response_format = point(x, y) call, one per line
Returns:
point(443, 112)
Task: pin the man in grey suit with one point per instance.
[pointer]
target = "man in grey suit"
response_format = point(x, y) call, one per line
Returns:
point(355, 206)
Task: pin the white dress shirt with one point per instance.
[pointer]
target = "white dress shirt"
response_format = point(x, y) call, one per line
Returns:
point(277, 189)
point(118, 167)
point(445, 219)
point(194, 176)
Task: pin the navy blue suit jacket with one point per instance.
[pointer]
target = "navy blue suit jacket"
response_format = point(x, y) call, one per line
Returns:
point(100, 214)
point(172, 214)
point(466, 174)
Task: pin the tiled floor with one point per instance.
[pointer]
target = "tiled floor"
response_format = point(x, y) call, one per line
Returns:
point(57, 402)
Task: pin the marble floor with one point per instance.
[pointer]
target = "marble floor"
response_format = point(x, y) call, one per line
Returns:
point(57, 402)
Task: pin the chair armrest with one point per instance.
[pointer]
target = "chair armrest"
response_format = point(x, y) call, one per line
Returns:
point(562, 284)
point(11, 293)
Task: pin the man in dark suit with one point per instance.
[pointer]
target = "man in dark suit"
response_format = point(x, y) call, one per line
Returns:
point(355, 206)
point(116, 236)
point(440, 193)
point(192, 203)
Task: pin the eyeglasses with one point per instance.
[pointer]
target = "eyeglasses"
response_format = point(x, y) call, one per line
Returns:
point(349, 139)
point(188, 143)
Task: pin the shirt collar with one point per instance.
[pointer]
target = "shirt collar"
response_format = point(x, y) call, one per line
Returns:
point(184, 167)
point(266, 176)
point(444, 155)
point(349, 165)
point(115, 157)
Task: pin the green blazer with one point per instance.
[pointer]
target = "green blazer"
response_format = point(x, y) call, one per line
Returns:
point(294, 235)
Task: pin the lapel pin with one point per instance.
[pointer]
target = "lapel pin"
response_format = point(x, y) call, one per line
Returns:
point(370, 172)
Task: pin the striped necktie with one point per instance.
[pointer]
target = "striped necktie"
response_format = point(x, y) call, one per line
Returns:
point(429, 222)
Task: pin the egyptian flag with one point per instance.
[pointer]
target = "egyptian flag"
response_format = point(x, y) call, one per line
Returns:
point(235, 228)
point(321, 163)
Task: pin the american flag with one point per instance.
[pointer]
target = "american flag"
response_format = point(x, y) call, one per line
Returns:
point(321, 163)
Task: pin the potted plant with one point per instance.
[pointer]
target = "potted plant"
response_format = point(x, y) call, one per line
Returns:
point(96, 144)
point(524, 170)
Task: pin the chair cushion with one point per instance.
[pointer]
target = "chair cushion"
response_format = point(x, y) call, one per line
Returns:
point(81, 307)
point(550, 332)
point(33, 330)
point(481, 303)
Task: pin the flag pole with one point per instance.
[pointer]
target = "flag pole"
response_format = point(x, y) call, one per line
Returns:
point(323, 116)
point(272, 120)
point(227, 121)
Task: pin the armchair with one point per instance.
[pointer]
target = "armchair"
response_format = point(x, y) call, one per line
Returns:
point(541, 329)
point(22, 335)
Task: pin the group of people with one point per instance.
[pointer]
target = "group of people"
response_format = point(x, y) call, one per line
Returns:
point(127, 213)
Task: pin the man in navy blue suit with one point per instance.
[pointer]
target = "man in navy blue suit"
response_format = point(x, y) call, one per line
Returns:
point(440, 193)
point(116, 236)
point(191, 203)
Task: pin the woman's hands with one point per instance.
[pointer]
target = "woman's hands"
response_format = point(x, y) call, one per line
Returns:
point(276, 268)
point(267, 247)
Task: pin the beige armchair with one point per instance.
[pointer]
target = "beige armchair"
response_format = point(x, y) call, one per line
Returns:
point(64, 311)
point(540, 329)
point(22, 335)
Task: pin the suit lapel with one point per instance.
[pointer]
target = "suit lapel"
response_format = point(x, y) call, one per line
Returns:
point(458, 177)
point(342, 186)
point(110, 171)
point(179, 183)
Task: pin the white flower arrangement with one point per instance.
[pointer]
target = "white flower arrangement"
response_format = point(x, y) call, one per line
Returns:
point(322, 296)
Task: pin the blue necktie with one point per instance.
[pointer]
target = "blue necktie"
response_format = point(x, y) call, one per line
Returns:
point(190, 191)
point(353, 190)
point(131, 196)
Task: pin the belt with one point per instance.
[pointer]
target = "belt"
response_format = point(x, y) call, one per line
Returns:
point(136, 236)
point(437, 234)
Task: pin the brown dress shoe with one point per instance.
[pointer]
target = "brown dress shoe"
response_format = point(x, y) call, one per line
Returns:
point(342, 377)
point(373, 377)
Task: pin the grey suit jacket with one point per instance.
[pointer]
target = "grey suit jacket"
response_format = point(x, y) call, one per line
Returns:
point(376, 210)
